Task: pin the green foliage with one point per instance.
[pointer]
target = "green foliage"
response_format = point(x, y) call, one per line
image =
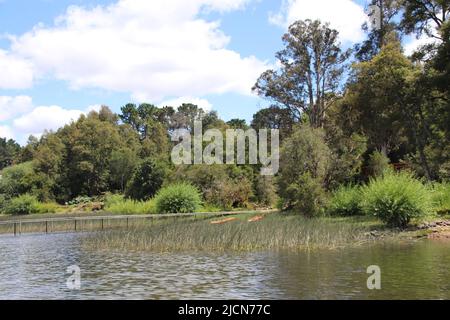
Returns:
point(20, 179)
point(226, 187)
point(305, 195)
point(178, 198)
point(122, 165)
point(312, 51)
point(441, 198)
point(9, 150)
point(3, 202)
point(119, 205)
point(146, 181)
point(79, 200)
point(22, 205)
point(346, 201)
point(265, 190)
point(304, 163)
point(397, 199)
point(378, 164)
point(47, 207)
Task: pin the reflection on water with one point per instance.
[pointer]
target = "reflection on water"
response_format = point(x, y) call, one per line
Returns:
point(34, 267)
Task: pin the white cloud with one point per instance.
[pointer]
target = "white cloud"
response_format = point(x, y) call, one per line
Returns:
point(413, 44)
point(19, 117)
point(202, 103)
point(15, 73)
point(346, 16)
point(6, 132)
point(154, 49)
point(45, 118)
point(13, 106)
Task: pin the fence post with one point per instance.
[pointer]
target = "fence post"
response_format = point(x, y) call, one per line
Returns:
point(75, 224)
point(15, 228)
point(46, 226)
point(102, 224)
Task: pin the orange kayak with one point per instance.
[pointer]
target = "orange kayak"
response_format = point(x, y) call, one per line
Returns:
point(257, 218)
point(223, 221)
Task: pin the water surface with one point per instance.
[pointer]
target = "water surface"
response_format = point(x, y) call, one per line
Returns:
point(34, 267)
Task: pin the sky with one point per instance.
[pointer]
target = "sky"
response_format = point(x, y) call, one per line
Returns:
point(63, 58)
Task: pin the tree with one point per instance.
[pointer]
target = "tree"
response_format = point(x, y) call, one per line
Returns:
point(274, 117)
point(425, 17)
point(312, 64)
point(376, 96)
point(237, 124)
point(384, 24)
point(9, 150)
point(122, 164)
point(146, 181)
point(304, 163)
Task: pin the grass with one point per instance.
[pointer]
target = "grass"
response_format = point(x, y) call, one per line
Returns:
point(275, 232)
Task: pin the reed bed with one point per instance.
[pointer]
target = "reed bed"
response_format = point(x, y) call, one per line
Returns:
point(275, 232)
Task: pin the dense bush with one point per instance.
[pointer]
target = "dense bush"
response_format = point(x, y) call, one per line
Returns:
point(441, 198)
point(146, 181)
point(346, 201)
point(178, 198)
point(378, 163)
point(396, 198)
point(306, 195)
point(221, 186)
point(46, 207)
point(117, 204)
point(304, 163)
point(265, 190)
point(24, 204)
point(20, 179)
point(3, 202)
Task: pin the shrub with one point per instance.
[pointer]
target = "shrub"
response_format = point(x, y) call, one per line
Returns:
point(305, 195)
point(178, 198)
point(441, 198)
point(396, 198)
point(378, 164)
point(3, 202)
point(228, 193)
point(146, 181)
point(47, 207)
point(304, 164)
point(226, 187)
point(265, 190)
point(79, 200)
point(346, 201)
point(24, 204)
point(119, 205)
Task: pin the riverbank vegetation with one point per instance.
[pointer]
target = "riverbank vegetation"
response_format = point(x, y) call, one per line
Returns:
point(364, 132)
point(275, 231)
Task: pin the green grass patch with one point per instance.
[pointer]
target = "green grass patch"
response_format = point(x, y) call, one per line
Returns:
point(275, 232)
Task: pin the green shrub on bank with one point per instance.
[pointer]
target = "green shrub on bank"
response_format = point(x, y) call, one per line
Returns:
point(441, 198)
point(22, 205)
point(46, 207)
point(119, 205)
point(178, 198)
point(3, 202)
point(396, 198)
point(346, 201)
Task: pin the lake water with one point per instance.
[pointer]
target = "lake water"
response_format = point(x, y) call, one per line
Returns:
point(34, 267)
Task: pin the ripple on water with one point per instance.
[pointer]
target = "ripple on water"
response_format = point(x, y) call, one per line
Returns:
point(34, 267)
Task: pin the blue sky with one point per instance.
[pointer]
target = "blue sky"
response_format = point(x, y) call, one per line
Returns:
point(61, 58)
